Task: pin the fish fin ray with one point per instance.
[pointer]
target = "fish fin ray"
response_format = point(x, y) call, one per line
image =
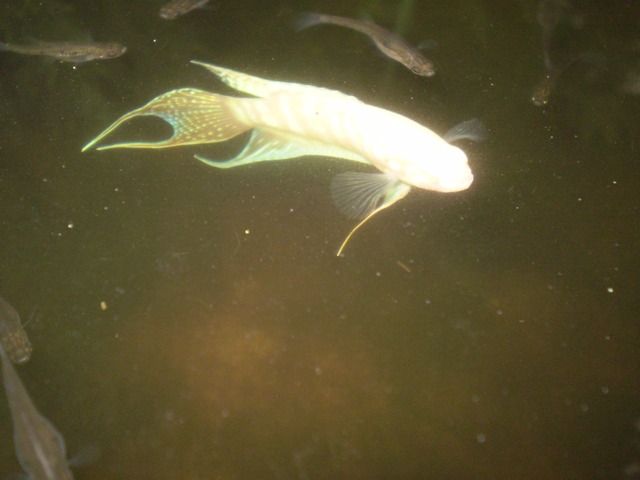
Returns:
point(369, 196)
point(357, 194)
point(473, 130)
point(196, 117)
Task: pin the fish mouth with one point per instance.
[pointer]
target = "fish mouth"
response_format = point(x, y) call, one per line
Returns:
point(456, 184)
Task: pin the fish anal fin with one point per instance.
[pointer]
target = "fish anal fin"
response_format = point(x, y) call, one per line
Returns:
point(267, 145)
point(196, 116)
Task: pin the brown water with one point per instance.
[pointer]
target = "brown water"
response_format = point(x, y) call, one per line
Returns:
point(195, 323)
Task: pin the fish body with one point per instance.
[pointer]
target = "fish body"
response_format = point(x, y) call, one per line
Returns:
point(292, 120)
point(389, 43)
point(177, 8)
point(76, 52)
point(13, 337)
point(39, 447)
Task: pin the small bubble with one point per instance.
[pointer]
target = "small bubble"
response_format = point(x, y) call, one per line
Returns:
point(605, 389)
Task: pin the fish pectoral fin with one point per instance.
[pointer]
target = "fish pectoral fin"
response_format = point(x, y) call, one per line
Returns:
point(471, 130)
point(195, 115)
point(266, 146)
point(358, 194)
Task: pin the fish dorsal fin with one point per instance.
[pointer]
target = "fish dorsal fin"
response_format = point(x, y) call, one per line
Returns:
point(358, 194)
point(471, 130)
point(195, 115)
point(265, 146)
point(242, 82)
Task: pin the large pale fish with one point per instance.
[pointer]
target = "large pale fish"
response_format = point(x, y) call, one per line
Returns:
point(39, 447)
point(292, 120)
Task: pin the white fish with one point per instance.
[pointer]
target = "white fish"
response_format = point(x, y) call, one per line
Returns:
point(39, 446)
point(292, 120)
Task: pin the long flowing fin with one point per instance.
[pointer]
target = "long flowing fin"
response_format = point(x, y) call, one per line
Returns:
point(264, 146)
point(360, 194)
point(242, 82)
point(195, 115)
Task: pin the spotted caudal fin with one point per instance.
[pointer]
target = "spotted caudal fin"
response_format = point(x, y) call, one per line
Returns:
point(195, 115)
point(358, 195)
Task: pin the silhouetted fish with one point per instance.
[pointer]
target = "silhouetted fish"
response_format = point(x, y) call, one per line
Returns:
point(68, 51)
point(292, 120)
point(39, 447)
point(177, 8)
point(389, 43)
point(13, 338)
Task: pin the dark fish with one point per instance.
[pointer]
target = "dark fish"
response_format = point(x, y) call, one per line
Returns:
point(177, 8)
point(39, 447)
point(68, 51)
point(543, 91)
point(13, 338)
point(389, 43)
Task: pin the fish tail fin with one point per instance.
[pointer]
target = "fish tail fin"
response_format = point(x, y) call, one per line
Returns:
point(195, 115)
point(306, 19)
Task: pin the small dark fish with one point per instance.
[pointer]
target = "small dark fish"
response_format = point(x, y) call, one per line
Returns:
point(13, 338)
point(68, 51)
point(39, 447)
point(543, 91)
point(389, 43)
point(177, 8)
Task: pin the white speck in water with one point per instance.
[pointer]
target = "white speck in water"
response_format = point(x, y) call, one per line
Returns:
point(498, 312)
point(610, 289)
point(70, 225)
point(103, 305)
point(605, 389)
point(318, 371)
point(247, 231)
point(481, 437)
point(378, 274)
point(427, 301)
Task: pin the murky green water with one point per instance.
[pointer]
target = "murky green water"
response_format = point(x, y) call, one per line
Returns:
point(195, 323)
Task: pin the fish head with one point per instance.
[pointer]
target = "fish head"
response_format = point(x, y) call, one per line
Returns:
point(423, 67)
point(446, 170)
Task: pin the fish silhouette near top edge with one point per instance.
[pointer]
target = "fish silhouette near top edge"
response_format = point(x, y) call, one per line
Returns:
point(177, 8)
point(389, 43)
